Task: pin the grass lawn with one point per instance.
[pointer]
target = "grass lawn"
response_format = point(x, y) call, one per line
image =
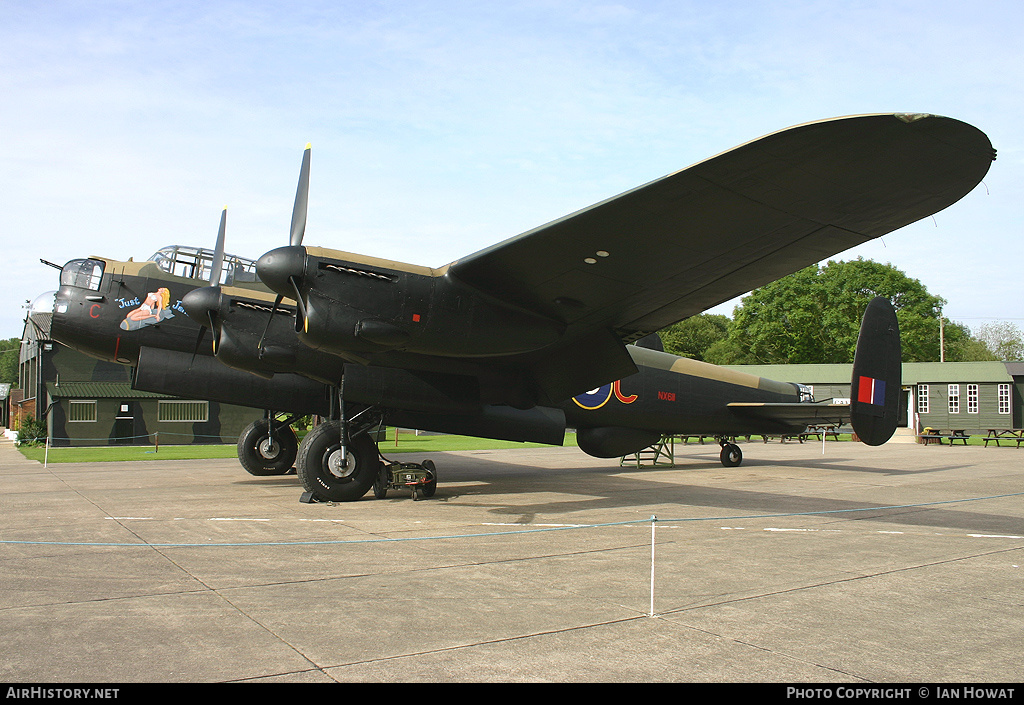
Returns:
point(407, 443)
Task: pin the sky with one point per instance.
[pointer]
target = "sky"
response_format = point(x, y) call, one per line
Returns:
point(440, 128)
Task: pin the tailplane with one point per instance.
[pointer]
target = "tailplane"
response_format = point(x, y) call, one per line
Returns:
point(877, 374)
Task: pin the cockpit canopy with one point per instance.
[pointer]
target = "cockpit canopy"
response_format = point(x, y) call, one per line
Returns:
point(196, 263)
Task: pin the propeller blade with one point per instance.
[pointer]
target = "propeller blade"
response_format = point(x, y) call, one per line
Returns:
point(216, 331)
point(270, 320)
point(218, 252)
point(301, 200)
point(199, 341)
point(200, 305)
point(301, 306)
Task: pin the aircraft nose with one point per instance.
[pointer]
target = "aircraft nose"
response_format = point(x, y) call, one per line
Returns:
point(276, 267)
point(198, 303)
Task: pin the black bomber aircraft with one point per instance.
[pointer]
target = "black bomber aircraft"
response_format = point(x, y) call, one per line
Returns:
point(530, 337)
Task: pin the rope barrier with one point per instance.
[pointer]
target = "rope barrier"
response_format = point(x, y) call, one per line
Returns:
point(126, 438)
point(575, 527)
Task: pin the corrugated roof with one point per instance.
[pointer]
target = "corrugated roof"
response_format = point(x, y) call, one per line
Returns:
point(99, 390)
point(804, 374)
point(1015, 368)
point(913, 372)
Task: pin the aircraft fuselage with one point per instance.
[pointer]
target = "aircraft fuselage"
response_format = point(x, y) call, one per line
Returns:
point(109, 309)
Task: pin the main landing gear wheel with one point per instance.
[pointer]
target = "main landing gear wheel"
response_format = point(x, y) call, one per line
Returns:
point(326, 475)
point(731, 455)
point(264, 455)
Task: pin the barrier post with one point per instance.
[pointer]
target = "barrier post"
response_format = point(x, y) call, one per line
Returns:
point(156, 438)
point(654, 522)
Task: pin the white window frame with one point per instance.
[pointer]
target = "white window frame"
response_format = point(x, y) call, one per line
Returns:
point(1004, 399)
point(923, 405)
point(973, 406)
point(183, 411)
point(82, 408)
point(953, 398)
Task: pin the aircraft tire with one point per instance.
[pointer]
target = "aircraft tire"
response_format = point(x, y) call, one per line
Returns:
point(431, 485)
point(320, 452)
point(731, 455)
point(380, 484)
point(260, 459)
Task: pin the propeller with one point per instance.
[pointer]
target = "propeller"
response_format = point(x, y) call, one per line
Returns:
point(201, 304)
point(282, 268)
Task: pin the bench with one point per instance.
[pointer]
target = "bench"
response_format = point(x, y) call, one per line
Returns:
point(819, 431)
point(935, 435)
point(811, 431)
point(1010, 435)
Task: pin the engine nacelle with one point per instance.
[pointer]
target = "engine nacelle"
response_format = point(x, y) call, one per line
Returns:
point(169, 372)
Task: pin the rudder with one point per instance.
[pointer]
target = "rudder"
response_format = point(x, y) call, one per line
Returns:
point(877, 374)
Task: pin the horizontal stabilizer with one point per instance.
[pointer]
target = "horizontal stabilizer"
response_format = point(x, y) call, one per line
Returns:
point(806, 413)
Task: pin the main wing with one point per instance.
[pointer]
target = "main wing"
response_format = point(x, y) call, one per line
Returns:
point(679, 245)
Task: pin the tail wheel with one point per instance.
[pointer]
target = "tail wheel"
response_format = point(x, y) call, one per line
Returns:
point(262, 454)
point(331, 477)
point(731, 455)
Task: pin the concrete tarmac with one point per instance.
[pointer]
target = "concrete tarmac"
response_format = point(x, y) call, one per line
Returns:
point(856, 565)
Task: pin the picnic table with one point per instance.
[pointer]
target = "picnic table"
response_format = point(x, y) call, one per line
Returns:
point(818, 432)
point(1010, 435)
point(934, 435)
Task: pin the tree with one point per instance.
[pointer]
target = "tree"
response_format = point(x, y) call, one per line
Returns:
point(964, 347)
point(813, 316)
point(10, 351)
point(692, 337)
point(1003, 339)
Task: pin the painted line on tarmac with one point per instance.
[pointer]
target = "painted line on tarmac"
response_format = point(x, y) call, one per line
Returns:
point(535, 529)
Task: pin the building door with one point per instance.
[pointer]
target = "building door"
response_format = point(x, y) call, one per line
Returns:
point(124, 423)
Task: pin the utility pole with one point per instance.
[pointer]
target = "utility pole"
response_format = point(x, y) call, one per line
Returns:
point(942, 338)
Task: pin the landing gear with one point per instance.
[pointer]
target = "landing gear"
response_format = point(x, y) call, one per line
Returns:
point(731, 455)
point(330, 473)
point(338, 460)
point(263, 452)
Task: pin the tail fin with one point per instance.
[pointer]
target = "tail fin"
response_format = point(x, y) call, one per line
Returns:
point(877, 374)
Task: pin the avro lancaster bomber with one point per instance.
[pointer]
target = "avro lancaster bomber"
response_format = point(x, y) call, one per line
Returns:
point(548, 330)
